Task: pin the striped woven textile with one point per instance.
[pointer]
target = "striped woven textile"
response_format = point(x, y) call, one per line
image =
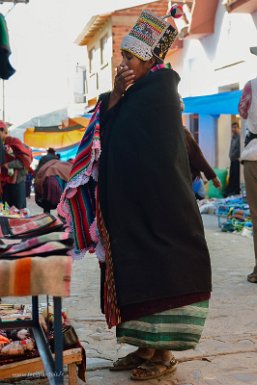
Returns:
point(77, 205)
point(29, 245)
point(174, 329)
point(29, 227)
point(36, 276)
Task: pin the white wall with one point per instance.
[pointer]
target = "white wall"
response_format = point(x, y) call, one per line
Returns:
point(221, 60)
point(104, 72)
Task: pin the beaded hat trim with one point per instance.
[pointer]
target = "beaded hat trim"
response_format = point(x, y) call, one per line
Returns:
point(150, 36)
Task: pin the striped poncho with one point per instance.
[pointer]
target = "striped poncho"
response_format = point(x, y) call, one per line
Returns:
point(78, 202)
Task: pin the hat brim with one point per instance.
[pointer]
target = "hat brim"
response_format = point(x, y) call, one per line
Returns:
point(253, 50)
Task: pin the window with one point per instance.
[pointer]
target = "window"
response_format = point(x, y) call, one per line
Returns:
point(194, 126)
point(104, 49)
point(92, 60)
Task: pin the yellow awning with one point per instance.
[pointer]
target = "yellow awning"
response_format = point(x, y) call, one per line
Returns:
point(52, 139)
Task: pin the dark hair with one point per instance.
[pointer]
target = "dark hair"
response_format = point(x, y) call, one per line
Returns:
point(51, 150)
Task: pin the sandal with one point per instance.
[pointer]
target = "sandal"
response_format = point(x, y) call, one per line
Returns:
point(131, 361)
point(252, 277)
point(153, 369)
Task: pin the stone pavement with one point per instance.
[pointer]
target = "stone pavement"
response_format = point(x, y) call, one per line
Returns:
point(227, 352)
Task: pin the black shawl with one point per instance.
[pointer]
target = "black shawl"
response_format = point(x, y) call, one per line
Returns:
point(156, 233)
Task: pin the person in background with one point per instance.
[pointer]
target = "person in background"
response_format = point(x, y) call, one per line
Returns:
point(248, 111)
point(51, 154)
point(50, 181)
point(198, 163)
point(29, 179)
point(18, 158)
point(156, 286)
point(233, 187)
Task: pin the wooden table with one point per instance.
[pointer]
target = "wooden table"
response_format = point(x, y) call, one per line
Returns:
point(35, 366)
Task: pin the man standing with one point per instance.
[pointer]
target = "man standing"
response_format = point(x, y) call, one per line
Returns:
point(17, 159)
point(248, 111)
point(234, 154)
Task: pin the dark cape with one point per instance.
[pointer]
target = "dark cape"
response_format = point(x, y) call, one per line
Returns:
point(156, 232)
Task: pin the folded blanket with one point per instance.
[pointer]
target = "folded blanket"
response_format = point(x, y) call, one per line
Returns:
point(36, 276)
point(46, 244)
point(48, 249)
point(29, 227)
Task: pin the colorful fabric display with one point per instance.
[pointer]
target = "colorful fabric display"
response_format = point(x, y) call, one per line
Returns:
point(29, 227)
point(43, 250)
point(57, 242)
point(36, 276)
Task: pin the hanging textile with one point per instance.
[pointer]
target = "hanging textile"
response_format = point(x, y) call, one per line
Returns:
point(6, 70)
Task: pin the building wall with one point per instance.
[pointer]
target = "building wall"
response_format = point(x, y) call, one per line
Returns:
point(217, 63)
point(99, 77)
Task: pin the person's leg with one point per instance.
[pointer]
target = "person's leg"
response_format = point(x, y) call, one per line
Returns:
point(6, 194)
point(236, 177)
point(250, 174)
point(19, 195)
point(234, 181)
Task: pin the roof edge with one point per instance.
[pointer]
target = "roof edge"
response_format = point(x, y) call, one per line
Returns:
point(80, 40)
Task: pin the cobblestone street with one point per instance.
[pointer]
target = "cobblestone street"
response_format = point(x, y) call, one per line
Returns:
point(227, 353)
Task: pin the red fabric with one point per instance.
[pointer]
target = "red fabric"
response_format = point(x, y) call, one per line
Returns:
point(245, 100)
point(2, 124)
point(21, 152)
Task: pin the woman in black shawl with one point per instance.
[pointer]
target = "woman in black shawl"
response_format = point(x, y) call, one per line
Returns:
point(156, 266)
point(158, 257)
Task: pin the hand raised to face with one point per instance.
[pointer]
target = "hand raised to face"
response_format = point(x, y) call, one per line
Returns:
point(124, 78)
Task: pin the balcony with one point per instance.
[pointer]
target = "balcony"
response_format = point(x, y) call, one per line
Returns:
point(240, 6)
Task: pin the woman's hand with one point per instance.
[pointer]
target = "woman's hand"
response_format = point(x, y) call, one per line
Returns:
point(216, 182)
point(123, 80)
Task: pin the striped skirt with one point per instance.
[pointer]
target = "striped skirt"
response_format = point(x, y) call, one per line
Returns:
point(174, 329)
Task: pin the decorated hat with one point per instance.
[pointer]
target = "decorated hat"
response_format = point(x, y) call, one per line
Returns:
point(151, 35)
point(253, 50)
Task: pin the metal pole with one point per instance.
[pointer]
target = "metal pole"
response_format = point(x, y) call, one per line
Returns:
point(3, 112)
point(14, 1)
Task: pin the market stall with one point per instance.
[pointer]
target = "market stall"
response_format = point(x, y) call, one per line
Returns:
point(35, 260)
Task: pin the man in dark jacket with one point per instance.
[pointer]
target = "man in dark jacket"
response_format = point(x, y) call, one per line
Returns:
point(234, 154)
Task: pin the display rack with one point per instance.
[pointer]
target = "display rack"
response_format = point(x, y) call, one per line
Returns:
point(53, 365)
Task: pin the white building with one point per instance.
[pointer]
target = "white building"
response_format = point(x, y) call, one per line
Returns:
point(220, 62)
point(211, 56)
